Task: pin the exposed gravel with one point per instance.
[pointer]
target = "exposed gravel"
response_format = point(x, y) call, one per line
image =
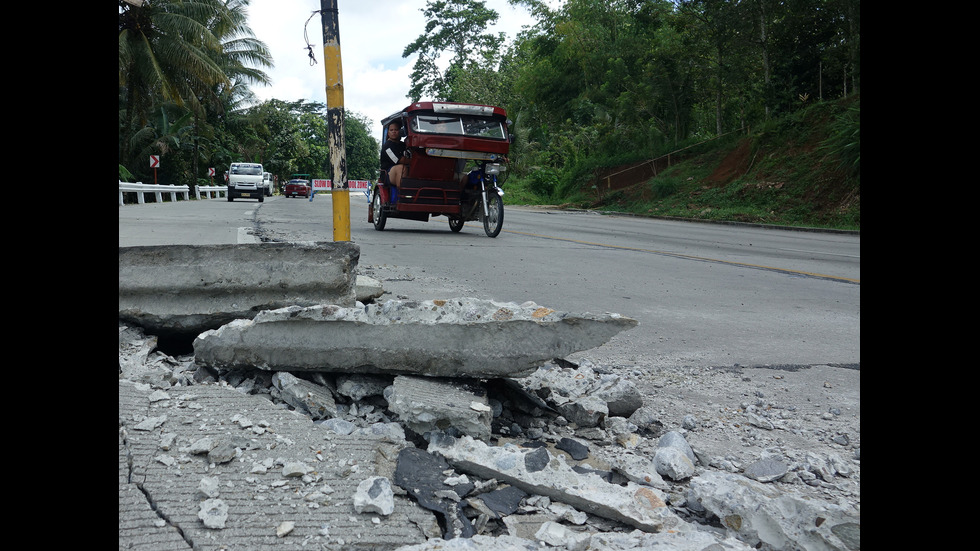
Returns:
point(806, 416)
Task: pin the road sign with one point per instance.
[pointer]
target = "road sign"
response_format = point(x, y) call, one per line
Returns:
point(211, 172)
point(154, 161)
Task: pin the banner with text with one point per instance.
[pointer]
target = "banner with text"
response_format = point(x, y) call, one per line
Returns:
point(323, 185)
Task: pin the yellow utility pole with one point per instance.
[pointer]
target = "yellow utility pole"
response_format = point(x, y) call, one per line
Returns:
point(335, 119)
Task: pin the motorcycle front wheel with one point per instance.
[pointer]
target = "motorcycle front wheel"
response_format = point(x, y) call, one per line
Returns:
point(493, 222)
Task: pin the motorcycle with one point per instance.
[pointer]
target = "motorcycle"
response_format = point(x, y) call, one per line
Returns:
point(442, 140)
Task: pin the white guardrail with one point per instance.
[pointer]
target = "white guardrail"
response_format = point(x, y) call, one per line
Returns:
point(210, 192)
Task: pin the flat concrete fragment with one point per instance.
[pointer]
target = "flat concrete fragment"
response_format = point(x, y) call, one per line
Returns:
point(461, 337)
point(427, 404)
point(633, 504)
point(188, 289)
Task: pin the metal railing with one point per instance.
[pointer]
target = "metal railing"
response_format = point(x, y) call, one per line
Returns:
point(158, 190)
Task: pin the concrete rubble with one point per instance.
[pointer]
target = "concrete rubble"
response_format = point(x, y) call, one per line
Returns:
point(412, 426)
point(534, 481)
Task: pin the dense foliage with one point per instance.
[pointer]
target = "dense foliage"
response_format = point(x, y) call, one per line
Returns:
point(189, 100)
point(590, 84)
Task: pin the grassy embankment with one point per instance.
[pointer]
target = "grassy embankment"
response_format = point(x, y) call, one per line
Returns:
point(800, 170)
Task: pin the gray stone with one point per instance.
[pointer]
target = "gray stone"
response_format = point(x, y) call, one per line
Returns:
point(575, 449)
point(368, 288)
point(462, 337)
point(223, 452)
point(673, 463)
point(641, 469)
point(387, 432)
point(340, 426)
point(358, 386)
point(213, 513)
point(536, 460)
point(621, 396)
point(374, 495)
point(674, 439)
point(766, 470)
point(585, 411)
point(558, 535)
point(425, 404)
point(310, 398)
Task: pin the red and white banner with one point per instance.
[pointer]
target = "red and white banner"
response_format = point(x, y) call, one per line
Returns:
point(321, 185)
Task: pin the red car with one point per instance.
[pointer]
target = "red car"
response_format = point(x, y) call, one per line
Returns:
point(297, 188)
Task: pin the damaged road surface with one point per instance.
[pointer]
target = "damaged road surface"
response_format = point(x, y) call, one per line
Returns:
point(342, 427)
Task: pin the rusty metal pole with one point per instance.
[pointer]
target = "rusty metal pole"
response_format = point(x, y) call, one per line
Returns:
point(340, 196)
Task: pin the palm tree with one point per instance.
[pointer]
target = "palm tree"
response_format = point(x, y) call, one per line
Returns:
point(194, 55)
point(241, 58)
point(166, 54)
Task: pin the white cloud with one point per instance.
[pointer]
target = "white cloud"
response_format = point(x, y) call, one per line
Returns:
point(373, 35)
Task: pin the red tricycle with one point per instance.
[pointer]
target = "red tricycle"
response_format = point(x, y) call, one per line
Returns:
point(456, 153)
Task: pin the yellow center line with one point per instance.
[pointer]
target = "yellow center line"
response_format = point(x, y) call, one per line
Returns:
point(690, 257)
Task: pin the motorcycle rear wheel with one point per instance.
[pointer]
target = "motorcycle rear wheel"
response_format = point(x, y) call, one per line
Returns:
point(379, 214)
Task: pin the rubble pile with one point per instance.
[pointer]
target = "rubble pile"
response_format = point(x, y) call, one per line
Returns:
point(554, 455)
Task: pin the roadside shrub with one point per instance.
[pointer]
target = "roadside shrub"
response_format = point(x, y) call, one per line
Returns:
point(542, 181)
point(663, 187)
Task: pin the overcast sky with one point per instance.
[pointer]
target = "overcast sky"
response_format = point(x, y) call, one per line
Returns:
point(373, 35)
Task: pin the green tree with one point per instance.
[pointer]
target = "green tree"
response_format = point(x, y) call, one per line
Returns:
point(241, 58)
point(459, 28)
point(165, 55)
point(180, 58)
point(362, 148)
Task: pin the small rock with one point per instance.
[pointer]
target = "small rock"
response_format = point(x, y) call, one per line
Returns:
point(295, 469)
point(766, 470)
point(285, 528)
point(374, 495)
point(577, 450)
point(214, 513)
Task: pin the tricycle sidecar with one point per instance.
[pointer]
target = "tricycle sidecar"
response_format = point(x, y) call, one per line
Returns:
point(455, 154)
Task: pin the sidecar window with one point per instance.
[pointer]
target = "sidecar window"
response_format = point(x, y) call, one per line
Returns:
point(437, 124)
point(483, 128)
point(457, 125)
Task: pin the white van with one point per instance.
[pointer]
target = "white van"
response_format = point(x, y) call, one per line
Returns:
point(267, 180)
point(246, 180)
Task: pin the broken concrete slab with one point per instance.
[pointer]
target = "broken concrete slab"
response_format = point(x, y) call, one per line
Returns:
point(460, 337)
point(582, 395)
point(425, 404)
point(368, 288)
point(633, 504)
point(310, 398)
point(188, 289)
point(761, 515)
